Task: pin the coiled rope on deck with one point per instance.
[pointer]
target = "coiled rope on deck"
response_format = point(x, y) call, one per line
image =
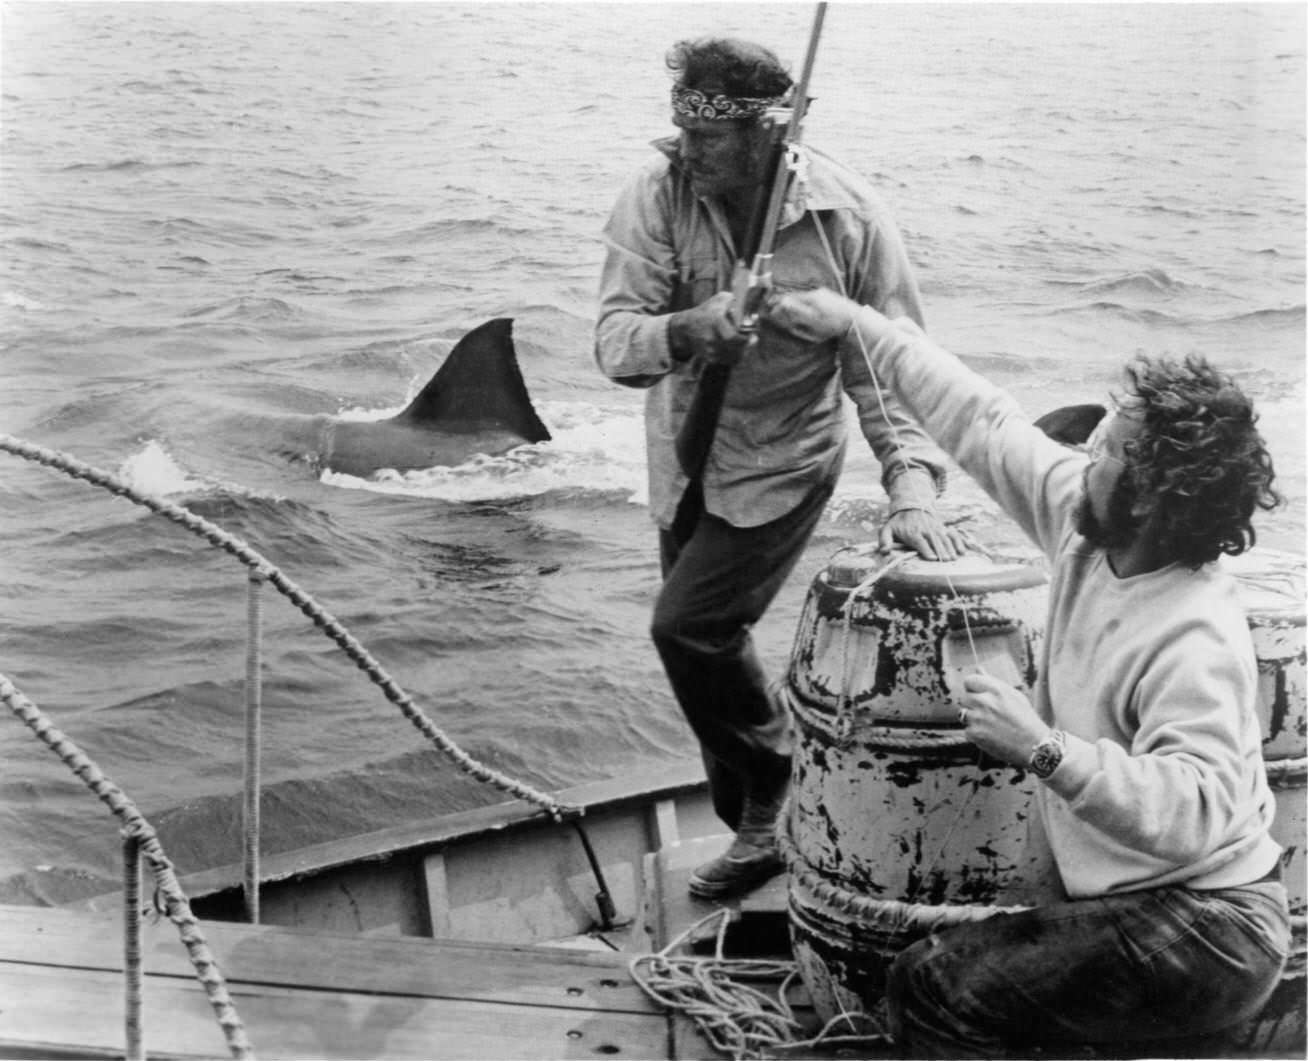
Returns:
point(134, 826)
point(737, 1018)
point(320, 617)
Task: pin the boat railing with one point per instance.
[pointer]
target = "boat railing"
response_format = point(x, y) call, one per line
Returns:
point(140, 839)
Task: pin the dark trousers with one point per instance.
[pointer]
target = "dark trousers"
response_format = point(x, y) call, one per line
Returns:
point(718, 580)
point(1157, 973)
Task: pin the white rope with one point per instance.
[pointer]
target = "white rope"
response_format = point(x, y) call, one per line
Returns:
point(736, 1018)
point(903, 461)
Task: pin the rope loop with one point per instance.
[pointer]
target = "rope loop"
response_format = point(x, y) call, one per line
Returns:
point(737, 1017)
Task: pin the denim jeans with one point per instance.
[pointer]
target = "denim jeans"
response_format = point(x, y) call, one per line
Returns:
point(1123, 973)
point(718, 580)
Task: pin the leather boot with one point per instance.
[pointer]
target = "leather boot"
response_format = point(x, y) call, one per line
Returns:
point(753, 857)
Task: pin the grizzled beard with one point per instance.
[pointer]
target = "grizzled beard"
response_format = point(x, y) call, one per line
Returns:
point(1120, 527)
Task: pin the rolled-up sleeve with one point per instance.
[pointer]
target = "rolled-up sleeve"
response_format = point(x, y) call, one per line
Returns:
point(637, 284)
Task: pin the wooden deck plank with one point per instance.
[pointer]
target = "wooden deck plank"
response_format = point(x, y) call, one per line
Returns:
point(80, 1011)
point(251, 954)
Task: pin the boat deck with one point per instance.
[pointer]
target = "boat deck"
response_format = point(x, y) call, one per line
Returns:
point(313, 994)
point(317, 995)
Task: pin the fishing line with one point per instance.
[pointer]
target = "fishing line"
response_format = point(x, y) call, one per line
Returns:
point(905, 462)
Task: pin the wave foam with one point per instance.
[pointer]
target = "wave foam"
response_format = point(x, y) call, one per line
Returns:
point(593, 449)
point(153, 472)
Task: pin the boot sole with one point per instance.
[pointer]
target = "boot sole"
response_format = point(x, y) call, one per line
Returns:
point(701, 888)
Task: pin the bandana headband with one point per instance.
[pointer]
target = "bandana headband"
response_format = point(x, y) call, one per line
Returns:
point(692, 103)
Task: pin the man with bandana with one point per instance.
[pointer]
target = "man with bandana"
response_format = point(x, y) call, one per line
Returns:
point(1141, 728)
point(729, 539)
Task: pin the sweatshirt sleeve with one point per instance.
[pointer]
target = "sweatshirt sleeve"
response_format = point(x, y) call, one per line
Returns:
point(1031, 477)
point(636, 285)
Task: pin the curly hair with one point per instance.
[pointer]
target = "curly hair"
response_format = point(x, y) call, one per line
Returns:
point(733, 67)
point(1198, 457)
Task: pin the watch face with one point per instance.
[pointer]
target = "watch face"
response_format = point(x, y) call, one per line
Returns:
point(1046, 757)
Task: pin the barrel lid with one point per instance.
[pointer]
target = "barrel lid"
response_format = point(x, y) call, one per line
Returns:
point(1271, 583)
point(902, 568)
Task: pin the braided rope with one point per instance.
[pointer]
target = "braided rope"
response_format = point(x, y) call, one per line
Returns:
point(251, 808)
point(736, 1018)
point(322, 619)
point(135, 827)
point(133, 971)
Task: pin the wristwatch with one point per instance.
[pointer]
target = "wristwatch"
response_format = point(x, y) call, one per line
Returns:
point(1046, 755)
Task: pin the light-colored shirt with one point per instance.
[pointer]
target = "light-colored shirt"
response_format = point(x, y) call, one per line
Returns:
point(782, 430)
point(1153, 678)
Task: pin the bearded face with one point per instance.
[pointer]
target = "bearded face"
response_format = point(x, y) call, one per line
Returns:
point(1116, 527)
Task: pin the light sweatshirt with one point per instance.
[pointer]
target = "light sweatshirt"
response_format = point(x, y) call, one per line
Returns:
point(1153, 678)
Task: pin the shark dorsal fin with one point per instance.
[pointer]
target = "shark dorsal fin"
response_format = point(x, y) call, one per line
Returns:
point(1071, 424)
point(479, 385)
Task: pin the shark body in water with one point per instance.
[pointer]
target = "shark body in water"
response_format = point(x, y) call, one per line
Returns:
point(476, 403)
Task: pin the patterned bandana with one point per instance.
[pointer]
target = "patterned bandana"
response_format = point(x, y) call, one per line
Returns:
point(692, 103)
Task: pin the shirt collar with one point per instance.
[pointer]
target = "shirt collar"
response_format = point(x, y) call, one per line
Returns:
point(822, 191)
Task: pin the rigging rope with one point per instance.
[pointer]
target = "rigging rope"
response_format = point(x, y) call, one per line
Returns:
point(229, 543)
point(135, 827)
point(250, 816)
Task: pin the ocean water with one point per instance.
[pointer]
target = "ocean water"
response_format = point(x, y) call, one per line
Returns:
point(214, 216)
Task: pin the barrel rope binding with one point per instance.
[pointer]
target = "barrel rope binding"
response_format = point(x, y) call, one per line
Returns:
point(322, 619)
point(136, 827)
point(894, 738)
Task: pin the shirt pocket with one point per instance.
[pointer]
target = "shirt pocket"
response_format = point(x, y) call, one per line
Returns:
point(698, 279)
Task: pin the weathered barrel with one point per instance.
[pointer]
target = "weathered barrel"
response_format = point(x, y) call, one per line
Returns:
point(897, 823)
point(899, 826)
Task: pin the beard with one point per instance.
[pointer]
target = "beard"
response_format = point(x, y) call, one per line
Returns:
point(1119, 528)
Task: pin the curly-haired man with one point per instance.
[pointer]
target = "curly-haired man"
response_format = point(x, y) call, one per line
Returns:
point(1141, 725)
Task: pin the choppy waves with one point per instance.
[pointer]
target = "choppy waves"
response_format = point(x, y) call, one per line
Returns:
point(223, 231)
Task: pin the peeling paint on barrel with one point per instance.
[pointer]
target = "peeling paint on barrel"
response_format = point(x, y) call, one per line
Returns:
point(886, 789)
